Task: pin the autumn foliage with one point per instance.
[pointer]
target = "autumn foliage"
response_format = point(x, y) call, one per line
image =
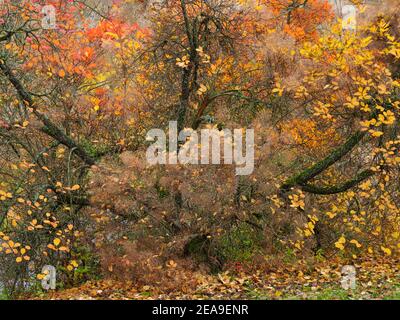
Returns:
point(77, 101)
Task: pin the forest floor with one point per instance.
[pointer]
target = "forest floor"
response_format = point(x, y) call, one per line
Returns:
point(376, 279)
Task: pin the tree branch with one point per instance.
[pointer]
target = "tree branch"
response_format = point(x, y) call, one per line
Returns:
point(50, 129)
point(338, 188)
point(306, 175)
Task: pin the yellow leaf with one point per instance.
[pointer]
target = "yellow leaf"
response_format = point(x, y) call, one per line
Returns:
point(56, 241)
point(40, 276)
point(340, 243)
point(376, 133)
point(111, 34)
point(356, 243)
point(386, 250)
point(171, 264)
point(278, 293)
point(52, 247)
point(339, 246)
